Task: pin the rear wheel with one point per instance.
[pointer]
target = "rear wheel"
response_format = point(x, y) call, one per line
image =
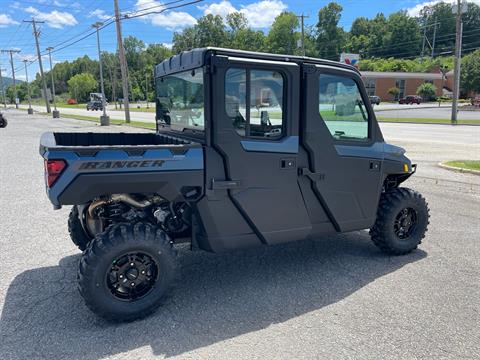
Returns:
point(126, 271)
point(402, 221)
point(77, 233)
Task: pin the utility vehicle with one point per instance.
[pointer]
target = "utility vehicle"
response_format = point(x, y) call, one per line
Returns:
point(251, 149)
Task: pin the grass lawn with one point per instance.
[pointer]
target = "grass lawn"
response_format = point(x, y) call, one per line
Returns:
point(428, 121)
point(138, 124)
point(464, 164)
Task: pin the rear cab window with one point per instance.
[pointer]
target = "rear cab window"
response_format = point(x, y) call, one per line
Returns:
point(180, 100)
point(342, 108)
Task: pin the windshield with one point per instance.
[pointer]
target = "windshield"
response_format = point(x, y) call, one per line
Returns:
point(180, 102)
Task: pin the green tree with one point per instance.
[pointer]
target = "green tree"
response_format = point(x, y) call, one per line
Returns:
point(403, 36)
point(330, 39)
point(283, 36)
point(81, 85)
point(394, 91)
point(240, 36)
point(427, 91)
point(470, 73)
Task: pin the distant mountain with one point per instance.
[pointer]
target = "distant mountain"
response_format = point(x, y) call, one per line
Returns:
point(7, 81)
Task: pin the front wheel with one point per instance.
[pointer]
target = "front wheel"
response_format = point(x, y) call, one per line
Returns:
point(402, 221)
point(126, 271)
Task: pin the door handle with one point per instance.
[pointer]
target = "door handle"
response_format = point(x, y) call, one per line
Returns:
point(288, 163)
point(374, 165)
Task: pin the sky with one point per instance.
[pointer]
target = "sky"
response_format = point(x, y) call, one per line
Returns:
point(65, 19)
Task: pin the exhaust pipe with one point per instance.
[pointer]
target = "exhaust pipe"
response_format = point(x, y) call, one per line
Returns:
point(128, 199)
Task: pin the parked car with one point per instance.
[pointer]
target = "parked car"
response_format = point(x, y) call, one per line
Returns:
point(94, 105)
point(204, 180)
point(72, 102)
point(410, 99)
point(374, 99)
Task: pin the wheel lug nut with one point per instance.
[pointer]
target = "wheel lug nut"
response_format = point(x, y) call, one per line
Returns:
point(133, 284)
point(143, 271)
point(121, 276)
point(131, 264)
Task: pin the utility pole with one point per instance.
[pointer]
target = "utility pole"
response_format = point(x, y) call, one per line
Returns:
point(104, 119)
point(434, 36)
point(146, 88)
point(424, 38)
point(44, 83)
point(11, 51)
point(30, 110)
point(302, 40)
point(2, 88)
point(458, 54)
point(113, 83)
point(56, 113)
point(123, 62)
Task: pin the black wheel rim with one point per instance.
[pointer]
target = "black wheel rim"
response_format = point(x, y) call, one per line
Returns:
point(405, 223)
point(132, 276)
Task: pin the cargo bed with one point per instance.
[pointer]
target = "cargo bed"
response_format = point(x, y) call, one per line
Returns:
point(82, 166)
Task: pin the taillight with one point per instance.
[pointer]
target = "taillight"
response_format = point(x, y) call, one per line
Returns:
point(53, 170)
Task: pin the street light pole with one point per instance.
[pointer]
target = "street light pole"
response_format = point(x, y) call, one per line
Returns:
point(55, 113)
point(104, 119)
point(30, 110)
point(3, 89)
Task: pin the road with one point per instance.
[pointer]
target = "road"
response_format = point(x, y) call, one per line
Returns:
point(336, 297)
point(382, 110)
point(415, 111)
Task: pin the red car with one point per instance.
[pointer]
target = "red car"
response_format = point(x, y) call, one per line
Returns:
point(410, 99)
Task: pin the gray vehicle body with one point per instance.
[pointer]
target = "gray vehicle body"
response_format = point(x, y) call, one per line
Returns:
point(244, 192)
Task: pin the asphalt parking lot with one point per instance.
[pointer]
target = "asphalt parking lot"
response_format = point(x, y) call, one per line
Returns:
point(335, 297)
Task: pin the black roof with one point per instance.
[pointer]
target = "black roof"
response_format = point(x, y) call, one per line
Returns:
point(195, 58)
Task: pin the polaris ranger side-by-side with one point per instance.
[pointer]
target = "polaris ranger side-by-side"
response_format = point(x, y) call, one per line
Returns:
point(251, 149)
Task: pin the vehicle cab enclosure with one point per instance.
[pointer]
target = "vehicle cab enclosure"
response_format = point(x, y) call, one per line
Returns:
point(292, 148)
point(262, 148)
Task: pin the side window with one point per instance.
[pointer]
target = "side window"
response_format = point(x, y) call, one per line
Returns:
point(236, 98)
point(262, 90)
point(342, 108)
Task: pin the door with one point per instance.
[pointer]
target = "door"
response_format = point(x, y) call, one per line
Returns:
point(344, 146)
point(255, 130)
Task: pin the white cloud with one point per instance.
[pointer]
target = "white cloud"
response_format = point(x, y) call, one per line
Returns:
point(168, 45)
point(222, 8)
point(415, 10)
point(260, 14)
point(6, 20)
point(99, 13)
point(55, 19)
point(171, 20)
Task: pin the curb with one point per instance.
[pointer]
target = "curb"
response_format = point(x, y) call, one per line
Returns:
point(424, 123)
point(462, 170)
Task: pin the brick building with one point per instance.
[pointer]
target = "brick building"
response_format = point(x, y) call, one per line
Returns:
point(378, 83)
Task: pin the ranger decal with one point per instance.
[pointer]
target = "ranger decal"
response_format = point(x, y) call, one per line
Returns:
point(101, 165)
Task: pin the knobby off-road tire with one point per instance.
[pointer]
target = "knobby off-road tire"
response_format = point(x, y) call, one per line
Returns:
point(78, 235)
point(127, 271)
point(402, 221)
